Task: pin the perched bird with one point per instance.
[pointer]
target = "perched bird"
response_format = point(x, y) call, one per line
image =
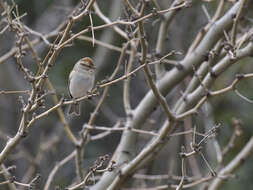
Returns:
point(81, 81)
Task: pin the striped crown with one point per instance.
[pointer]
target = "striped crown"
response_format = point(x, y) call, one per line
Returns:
point(87, 62)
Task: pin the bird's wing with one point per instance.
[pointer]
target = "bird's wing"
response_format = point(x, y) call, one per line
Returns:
point(70, 76)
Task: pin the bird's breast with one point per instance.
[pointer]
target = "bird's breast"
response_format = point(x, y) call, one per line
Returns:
point(80, 84)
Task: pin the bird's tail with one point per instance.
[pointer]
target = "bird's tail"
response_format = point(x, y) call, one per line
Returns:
point(74, 109)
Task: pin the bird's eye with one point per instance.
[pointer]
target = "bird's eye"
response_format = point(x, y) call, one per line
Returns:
point(87, 65)
point(84, 64)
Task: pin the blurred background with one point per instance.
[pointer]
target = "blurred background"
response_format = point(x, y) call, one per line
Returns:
point(45, 16)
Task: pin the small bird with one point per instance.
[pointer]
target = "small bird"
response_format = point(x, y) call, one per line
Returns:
point(81, 81)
